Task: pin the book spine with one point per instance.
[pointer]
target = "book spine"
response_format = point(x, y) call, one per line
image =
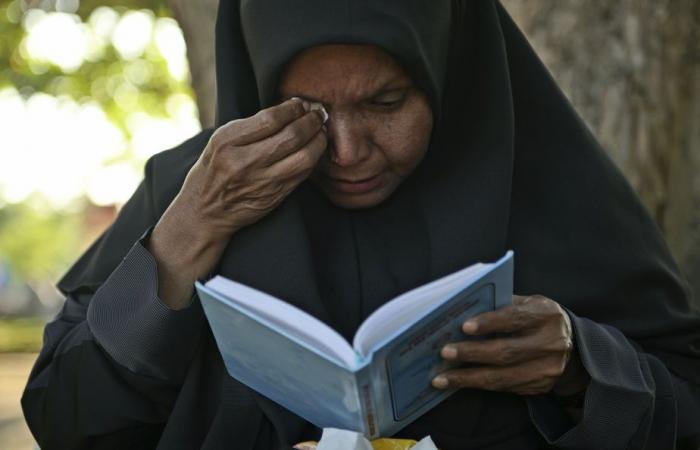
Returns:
point(367, 403)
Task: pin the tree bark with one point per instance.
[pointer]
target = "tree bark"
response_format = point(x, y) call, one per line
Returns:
point(631, 69)
point(197, 20)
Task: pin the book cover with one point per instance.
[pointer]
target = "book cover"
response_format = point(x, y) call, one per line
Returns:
point(378, 385)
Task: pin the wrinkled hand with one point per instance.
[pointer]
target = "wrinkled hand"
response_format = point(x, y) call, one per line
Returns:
point(529, 353)
point(250, 166)
point(246, 170)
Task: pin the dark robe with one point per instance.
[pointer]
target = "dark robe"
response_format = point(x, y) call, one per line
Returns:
point(510, 166)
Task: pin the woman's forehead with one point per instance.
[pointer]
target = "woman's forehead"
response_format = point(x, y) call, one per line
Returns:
point(347, 71)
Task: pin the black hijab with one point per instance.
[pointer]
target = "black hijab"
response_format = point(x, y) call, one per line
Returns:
point(510, 165)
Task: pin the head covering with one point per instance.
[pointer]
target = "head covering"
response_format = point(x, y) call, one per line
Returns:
point(510, 165)
point(420, 45)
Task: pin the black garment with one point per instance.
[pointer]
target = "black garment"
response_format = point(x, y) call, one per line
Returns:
point(510, 165)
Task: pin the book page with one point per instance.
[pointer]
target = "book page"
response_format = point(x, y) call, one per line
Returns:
point(406, 308)
point(288, 319)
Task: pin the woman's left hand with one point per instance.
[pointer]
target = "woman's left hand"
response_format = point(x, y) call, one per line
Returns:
point(529, 354)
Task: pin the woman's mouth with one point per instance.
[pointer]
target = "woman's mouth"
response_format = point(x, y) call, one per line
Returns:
point(355, 186)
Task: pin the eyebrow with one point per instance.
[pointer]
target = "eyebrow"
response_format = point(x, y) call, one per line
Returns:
point(385, 88)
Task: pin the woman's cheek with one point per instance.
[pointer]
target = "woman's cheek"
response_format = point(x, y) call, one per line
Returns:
point(407, 140)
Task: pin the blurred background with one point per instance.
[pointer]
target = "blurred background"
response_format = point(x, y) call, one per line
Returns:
point(89, 89)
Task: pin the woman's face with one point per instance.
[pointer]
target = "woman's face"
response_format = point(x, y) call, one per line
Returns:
point(380, 122)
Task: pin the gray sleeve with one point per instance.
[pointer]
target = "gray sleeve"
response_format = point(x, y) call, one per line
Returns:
point(632, 401)
point(135, 328)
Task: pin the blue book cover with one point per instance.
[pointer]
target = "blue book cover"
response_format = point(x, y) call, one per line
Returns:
point(377, 385)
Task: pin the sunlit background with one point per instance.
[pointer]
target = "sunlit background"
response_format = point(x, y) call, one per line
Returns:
point(86, 96)
point(87, 93)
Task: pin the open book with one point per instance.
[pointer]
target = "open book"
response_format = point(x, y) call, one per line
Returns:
point(375, 386)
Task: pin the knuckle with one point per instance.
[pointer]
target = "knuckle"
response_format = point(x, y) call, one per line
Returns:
point(521, 318)
point(553, 340)
point(494, 380)
point(302, 162)
point(562, 344)
point(549, 307)
point(506, 354)
point(216, 137)
point(207, 157)
point(555, 369)
point(266, 120)
point(216, 142)
point(228, 133)
point(289, 140)
point(568, 344)
point(538, 303)
point(538, 299)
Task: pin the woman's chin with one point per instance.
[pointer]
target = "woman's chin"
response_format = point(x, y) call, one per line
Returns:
point(355, 202)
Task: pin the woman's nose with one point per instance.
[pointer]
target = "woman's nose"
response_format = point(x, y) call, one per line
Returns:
point(347, 142)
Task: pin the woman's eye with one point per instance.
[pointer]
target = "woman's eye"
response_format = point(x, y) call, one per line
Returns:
point(387, 104)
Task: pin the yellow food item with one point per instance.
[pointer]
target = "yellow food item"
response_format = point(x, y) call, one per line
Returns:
point(393, 444)
point(377, 444)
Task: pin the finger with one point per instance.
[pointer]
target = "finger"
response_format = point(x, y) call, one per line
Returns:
point(263, 124)
point(520, 299)
point(510, 319)
point(494, 378)
point(536, 387)
point(502, 351)
point(487, 378)
point(300, 164)
point(289, 140)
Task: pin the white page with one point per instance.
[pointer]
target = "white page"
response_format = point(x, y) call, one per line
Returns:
point(404, 309)
point(291, 319)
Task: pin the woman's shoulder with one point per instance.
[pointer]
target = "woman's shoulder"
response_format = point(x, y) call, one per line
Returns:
point(166, 170)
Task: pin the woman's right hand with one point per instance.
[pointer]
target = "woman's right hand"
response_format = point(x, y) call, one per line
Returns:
point(247, 169)
point(250, 165)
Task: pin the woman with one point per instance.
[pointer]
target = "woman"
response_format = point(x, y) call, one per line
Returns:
point(447, 143)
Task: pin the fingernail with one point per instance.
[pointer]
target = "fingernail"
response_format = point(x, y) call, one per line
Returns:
point(321, 109)
point(449, 352)
point(469, 326)
point(440, 382)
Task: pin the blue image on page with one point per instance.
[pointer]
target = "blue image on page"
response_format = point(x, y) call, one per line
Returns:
point(416, 360)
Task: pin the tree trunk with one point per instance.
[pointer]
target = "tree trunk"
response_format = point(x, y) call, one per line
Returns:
point(197, 20)
point(632, 70)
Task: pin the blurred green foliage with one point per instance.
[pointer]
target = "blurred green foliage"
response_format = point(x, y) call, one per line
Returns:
point(40, 243)
point(98, 79)
point(21, 335)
